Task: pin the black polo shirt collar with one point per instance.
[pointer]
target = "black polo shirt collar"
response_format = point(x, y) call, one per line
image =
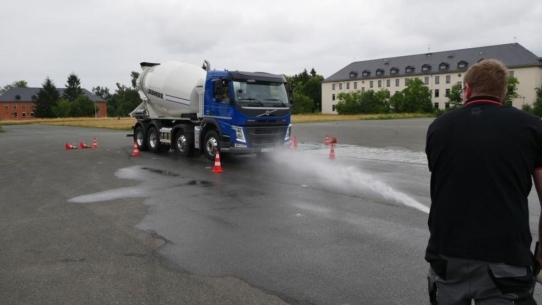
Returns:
point(483, 99)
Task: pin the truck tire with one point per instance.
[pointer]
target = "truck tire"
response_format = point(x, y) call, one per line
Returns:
point(139, 138)
point(153, 141)
point(182, 144)
point(211, 144)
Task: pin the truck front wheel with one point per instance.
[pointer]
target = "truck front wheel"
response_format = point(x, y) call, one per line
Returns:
point(211, 145)
point(182, 145)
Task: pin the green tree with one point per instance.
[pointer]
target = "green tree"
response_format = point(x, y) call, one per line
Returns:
point(82, 106)
point(512, 91)
point(537, 105)
point(349, 102)
point(455, 97)
point(102, 92)
point(397, 101)
point(73, 88)
point(123, 101)
point(62, 109)
point(45, 100)
point(134, 75)
point(15, 84)
point(302, 104)
point(416, 97)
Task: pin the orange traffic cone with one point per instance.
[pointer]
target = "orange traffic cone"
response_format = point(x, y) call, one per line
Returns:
point(332, 152)
point(218, 167)
point(136, 150)
point(94, 143)
point(83, 145)
point(295, 142)
point(69, 146)
point(326, 141)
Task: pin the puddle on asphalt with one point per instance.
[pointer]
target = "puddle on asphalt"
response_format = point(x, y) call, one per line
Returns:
point(161, 172)
point(200, 183)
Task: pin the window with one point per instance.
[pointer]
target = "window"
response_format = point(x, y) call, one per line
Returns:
point(379, 72)
point(333, 107)
point(353, 74)
point(459, 84)
point(448, 79)
point(396, 82)
point(406, 81)
point(409, 69)
point(14, 106)
point(426, 80)
point(447, 92)
point(437, 93)
point(437, 80)
point(23, 106)
point(394, 70)
point(355, 85)
point(447, 105)
point(6, 106)
point(379, 83)
point(462, 65)
point(340, 86)
point(435, 105)
point(333, 97)
point(366, 73)
point(388, 83)
point(511, 73)
point(443, 66)
point(332, 86)
point(362, 89)
point(15, 115)
point(24, 115)
point(370, 84)
point(347, 86)
point(426, 68)
point(31, 114)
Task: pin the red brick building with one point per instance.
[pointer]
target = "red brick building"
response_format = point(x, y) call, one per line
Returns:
point(16, 103)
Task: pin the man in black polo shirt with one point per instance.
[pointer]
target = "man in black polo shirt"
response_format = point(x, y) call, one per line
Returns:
point(483, 158)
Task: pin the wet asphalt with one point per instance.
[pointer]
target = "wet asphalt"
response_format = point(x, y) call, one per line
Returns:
point(99, 226)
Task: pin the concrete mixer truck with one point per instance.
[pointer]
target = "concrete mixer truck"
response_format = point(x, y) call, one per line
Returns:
point(190, 108)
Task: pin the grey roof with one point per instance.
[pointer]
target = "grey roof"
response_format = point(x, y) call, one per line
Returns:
point(513, 55)
point(25, 95)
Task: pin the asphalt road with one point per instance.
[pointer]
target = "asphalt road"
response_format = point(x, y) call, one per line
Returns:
point(99, 226)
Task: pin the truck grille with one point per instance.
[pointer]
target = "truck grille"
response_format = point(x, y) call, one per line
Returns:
point(261, 137)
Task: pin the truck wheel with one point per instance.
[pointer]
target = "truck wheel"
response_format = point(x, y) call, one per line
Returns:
point(139, 138)
point(182, 145)
point(211, 145)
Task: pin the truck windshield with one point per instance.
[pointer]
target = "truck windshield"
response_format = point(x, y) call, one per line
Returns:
point(260, 94)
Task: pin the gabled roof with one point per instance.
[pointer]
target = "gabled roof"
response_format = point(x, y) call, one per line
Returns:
point(513, 55)
point(25, 95)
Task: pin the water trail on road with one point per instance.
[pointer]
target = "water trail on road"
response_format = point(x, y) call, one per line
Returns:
point(337, 175)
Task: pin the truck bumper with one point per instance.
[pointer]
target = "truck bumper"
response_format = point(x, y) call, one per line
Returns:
point(226, 147)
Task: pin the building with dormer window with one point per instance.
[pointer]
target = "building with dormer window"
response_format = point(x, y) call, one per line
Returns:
point(439, 71)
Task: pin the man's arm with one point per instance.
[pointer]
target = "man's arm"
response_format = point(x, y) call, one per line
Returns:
point(537, 178)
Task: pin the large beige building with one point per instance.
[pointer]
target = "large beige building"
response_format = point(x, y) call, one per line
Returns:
point(439, 71)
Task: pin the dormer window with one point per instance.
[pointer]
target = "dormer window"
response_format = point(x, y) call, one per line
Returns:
point(426, 68)
point(462, 65)
point(379, 72)
point(409, 69)
point(394, 71)
point(353, 74)
point(17, 97)
point(443, 66)
point(366, 73)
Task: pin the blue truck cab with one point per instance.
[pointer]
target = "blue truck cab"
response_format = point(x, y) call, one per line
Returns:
point(244, 112)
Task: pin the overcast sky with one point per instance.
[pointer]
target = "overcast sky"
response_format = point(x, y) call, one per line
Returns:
point(102, 41)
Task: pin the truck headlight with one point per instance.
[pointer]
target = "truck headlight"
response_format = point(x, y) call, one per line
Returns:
point(288, 133)
point(239, 134)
